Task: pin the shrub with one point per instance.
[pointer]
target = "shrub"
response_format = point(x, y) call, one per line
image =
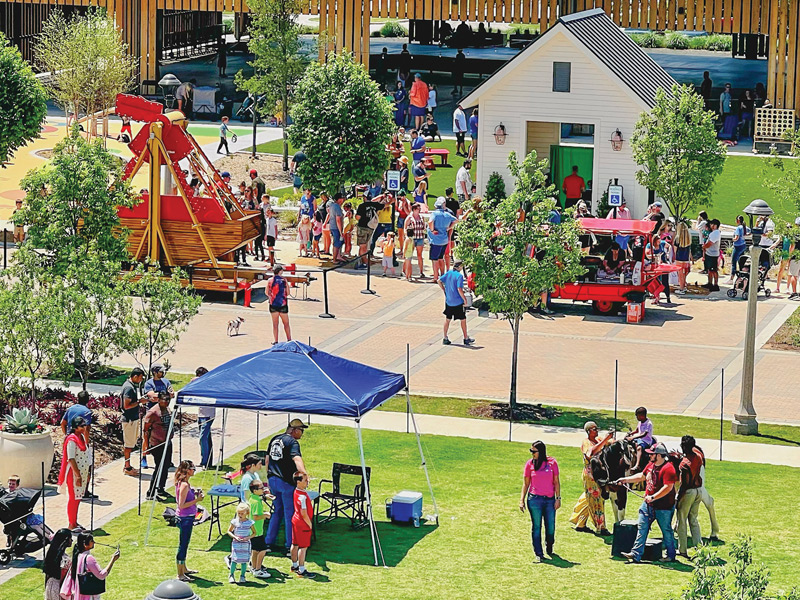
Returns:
point(719, 43)
point(290, 199)
point(648, 40)
point(677, 41)
point(393, 29)
point(495, 187)
point(287, 218)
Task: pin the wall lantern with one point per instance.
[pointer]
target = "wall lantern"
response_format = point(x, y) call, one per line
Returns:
point(500, 134)
point(616, 141)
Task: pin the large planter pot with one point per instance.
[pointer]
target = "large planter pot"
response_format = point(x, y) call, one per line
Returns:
point(23, 454)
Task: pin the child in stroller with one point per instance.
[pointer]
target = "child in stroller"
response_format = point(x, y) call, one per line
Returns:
point(743, 268)
point(25, 530)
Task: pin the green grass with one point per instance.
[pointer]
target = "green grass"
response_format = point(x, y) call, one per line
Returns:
point(669, 425)
point(118, 375)
point(438, 181)
point(481, 547)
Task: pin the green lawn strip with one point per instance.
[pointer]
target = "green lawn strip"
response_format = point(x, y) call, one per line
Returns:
point(117, 375)
point(669, 425)
point(439, 180)
point(481, 547)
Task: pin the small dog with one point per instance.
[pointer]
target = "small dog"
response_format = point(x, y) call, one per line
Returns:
point(233, 326)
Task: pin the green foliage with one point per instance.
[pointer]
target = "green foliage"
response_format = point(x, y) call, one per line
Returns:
point(785, 187)
point(676, 145)
point(603, 207)
point(676, 41)
point(163, 307)
point(342, 123)
point(21, 420)
point(290, 199)
point(71, 203)
point(719, 43)
point(739, 578)
point(648, 40)
point(88, 61)
point(495, 187)
point(393, 29)
point(277, 63)
point(23, 103)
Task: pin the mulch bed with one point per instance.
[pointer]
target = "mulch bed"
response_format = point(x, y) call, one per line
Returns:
point(523, 412)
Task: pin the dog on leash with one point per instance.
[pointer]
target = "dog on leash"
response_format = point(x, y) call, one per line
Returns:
point(233, 326)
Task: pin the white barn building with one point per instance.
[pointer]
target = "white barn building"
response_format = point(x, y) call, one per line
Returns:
point(565, 96)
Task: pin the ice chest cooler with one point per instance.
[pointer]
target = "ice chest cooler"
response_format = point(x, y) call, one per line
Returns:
point(405, 507)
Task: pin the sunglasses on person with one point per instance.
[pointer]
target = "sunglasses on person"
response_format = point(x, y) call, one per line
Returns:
point(534, 451)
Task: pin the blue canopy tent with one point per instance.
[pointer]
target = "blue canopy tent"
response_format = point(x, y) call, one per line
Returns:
point(297, 378)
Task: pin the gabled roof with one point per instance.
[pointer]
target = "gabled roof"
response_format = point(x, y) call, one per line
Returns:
point(594, 32)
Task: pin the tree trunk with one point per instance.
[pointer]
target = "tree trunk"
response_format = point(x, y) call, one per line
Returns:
point(512, 398)
point(285, 107)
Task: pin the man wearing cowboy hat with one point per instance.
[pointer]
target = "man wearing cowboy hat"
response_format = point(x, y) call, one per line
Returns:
point(283, 459)
point(659, 502)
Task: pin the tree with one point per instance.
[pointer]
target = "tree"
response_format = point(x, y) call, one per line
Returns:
point(71, 205)
point(342, 122)
point(510, 281)
point(495, 187)
point(787, 186)
point(277, 63)
point(87, 59)
point(676, 145)
point(164, 308)
point(23, 103)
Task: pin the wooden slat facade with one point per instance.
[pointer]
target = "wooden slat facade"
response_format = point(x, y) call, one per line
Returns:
point(346, 23)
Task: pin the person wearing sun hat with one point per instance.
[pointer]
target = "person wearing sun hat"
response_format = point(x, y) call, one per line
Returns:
point(283, 460)
point(439, 226)
point(591, 503)
point(660, 478)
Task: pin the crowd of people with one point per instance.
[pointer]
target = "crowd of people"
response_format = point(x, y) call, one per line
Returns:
point(673, 485)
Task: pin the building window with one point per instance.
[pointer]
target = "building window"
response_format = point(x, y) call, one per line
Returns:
point(561, 76)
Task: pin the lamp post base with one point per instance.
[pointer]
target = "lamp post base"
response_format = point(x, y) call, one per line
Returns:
point(744, 425)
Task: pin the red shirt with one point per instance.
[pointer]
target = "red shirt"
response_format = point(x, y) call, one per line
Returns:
point(658, 477)
point(301, 501)
point(692, 463)
point(572, 186)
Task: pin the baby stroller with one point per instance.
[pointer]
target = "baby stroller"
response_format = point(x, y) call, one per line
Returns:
point(26, 532)
point(742, 281)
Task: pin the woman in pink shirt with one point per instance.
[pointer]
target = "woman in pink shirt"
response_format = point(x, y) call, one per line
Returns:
point(541, 491)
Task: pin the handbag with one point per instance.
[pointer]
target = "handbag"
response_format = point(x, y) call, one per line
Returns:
point(89, 584)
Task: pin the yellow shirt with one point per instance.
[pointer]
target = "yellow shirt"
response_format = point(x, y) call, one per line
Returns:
point(385, 214)
point(388, 248)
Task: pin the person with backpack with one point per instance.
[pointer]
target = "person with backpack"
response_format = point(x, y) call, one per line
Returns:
point(277, 290)
point(367, 215)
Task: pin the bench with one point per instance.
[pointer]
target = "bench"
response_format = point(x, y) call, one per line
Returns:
point(299, 281)
point(442, 153)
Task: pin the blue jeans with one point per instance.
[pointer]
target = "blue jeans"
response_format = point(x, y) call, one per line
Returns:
point(737, 253)
point(185, 525)
point(206, 443)
point(284, 502)
point(338, 239)
point(542, 507)
point(380, 230)
point(647, 514)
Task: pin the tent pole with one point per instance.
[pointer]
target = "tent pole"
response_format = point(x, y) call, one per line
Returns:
point(373, 531)
point(422, 457)
point(222, 446)
point(408, 384)
point(258, 428)
point(159, 470)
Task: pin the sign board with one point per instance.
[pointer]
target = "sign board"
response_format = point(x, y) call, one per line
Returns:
point(615, 195)
point(393, 181)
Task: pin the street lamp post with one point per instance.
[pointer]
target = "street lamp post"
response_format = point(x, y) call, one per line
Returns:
point(744, 419)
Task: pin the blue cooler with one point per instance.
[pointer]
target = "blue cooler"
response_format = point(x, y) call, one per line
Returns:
point(405, 507)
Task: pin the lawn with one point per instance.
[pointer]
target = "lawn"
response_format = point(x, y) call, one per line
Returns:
point(439, 180)
point(669, 425)
point(481, 547)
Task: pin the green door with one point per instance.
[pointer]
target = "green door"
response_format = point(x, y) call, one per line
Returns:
point(562, 159)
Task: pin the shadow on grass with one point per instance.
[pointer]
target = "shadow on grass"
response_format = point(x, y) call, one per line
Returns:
point(538, 414)
point(562, 563)
point(338, 543)
point(778, 439)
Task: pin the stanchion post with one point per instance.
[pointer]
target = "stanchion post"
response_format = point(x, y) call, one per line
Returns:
point(408, 389)
point(327, 314)
point(258, 428)
point(721, 409)
point(369, 274)
point(141, 457)
point(616, 394)
point(44, 512)
point(91, 510)
point(5, 248)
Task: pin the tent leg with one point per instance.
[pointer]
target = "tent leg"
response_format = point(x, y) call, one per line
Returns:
point(422, 457)
point(157, 474)
point(373, 531)
point(221, 446)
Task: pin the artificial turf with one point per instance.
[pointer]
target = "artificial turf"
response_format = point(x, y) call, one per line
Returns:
point(481, 546)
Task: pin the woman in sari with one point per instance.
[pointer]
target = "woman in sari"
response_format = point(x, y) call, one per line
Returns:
point(76, 460)
point(590, 504)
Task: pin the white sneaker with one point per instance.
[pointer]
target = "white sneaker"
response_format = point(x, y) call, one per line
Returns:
point(228, 562)
point(262, 574)
point(231, 579)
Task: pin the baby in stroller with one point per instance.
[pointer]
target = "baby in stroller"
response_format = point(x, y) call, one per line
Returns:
point(743, 271)
point(25, 530)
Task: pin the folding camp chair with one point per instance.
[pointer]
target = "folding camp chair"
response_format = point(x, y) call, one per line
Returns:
point(342, 502)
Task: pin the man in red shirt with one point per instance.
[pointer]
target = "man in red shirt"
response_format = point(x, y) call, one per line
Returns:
point(659, 502)
point(689, 495)
point(573, 187)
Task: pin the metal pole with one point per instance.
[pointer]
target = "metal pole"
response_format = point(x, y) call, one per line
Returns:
point(91, 510)
point(44, 513)
point(424, 464)
point(408, 391)
point(222, 439)
point(326, 314)
point(258, 428)
point(5, 248)
point(369, 274)
point(254, 125)
point(180, 437)
point(141, 456)
point(616, 394)
point(373, 530)
point(721, 409)
point(157, 473)
point(744, 419)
